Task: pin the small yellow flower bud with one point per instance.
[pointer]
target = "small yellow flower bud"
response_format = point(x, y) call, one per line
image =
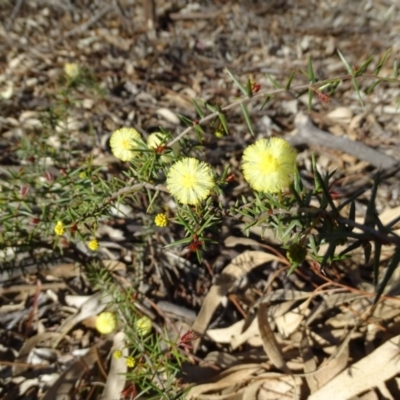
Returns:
point(59, 228)
point(161, 220)
point(106, 322)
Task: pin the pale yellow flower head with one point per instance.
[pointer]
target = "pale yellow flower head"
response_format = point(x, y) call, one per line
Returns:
point(269, 165)
point(190, 180)
point(117, 354)
point(106, 322)
point(72, 70)
point(124, 142)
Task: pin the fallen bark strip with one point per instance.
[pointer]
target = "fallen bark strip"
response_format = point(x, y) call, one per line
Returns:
point(308, 133)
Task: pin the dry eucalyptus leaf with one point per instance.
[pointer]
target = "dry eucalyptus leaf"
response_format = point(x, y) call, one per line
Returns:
point(317, 377)
point(342, 115)
point(20, 364)
point(65, 384)
point(76, 301)
point(168, 115)
point(290, 321)
point(309, 361)
point(269, 341)
point(116, 377)
point(250, 333)
point(224, 335)
point(94, 305)
point(232, 241)
point(239, 375)
point(237, 269)
point(274, 387)
point(332, 367)
point(375, 368)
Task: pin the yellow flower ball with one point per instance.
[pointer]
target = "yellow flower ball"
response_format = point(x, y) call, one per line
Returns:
point(130, 362)
point(143, 325)
point(59, 228)
point(93, 244)
point(161, 220)
point(117, 354)
point(219, 133)
point(106, 322)
point(190, 181)
point(125, 143)
point(269, 165)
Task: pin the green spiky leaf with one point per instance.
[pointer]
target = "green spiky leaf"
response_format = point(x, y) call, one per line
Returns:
point(267, 97)
point(372, 87)
point(247, 117)
point(382, 62)
point(289, 82)
point(237, 83)
point(357, 89)
point(224, 123)
point(198, 109)
point(377, 261)
point(310, 71)
point(394, 262)
point(275, 84)
point(310, 98)
point(363, 66)
point(346, 64)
